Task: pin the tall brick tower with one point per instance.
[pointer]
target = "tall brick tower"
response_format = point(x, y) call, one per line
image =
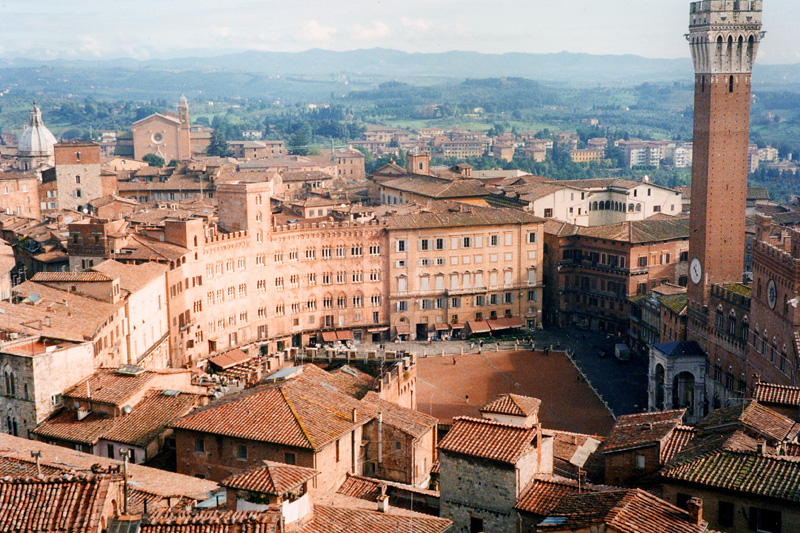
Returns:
point(724, 37)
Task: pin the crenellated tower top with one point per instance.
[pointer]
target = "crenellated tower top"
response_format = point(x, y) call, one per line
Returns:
point(724, 35)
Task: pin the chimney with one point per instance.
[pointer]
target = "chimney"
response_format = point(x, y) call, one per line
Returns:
point(761, 447)
point(355, 415)
point(695, 508)
point(383, 500)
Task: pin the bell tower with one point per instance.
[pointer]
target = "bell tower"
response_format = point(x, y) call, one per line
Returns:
point(723, 36)
point(184, 132)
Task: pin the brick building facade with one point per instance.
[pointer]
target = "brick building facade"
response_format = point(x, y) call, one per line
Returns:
point(591, 272)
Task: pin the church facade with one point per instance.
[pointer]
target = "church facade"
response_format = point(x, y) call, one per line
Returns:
point(165, 134)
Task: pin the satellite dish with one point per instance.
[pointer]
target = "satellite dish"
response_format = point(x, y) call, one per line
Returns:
point(127, 409)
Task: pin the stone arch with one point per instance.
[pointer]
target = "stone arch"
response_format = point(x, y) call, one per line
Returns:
point(660, 377)
point(683, 391)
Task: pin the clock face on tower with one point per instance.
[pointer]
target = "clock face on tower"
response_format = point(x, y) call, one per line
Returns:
point(696, 271)
point(772, 294)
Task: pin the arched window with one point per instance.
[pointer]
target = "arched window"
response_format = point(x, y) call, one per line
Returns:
point(730, 84)
point(602, 206)
point(638, 207)
point(608, 204)
point(595, 206)
point(630, 208)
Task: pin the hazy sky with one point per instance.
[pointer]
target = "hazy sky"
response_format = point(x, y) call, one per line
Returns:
point(145, 29)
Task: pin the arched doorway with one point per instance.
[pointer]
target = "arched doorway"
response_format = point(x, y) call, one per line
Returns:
point(659, 377)
point(683, 392)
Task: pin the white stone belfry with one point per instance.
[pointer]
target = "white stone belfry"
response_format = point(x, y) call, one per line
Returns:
point(724, 35)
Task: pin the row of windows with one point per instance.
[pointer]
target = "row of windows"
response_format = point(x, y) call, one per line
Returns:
point(327, 278)
point(220, 295)
point(466, 280)
point(328, 252)
point(456, 301)
point(465, 241)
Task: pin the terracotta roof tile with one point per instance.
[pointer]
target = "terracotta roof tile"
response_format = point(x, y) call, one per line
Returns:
point(108, 385)
point(71, 276)
point(150, 417)
point(640, 231)
point(58, 503)
point(512, 404)
point(643, 429)
point(677, 440)
point(131, 277)
point(410, 421)
point(752, 415)
point(488, 440)
point(351, 380)
point(335, 520)
point(630, 511)
point(361, 487)
point(272, 478)
point(304, 411)
point(453, 214)
point(66, 426)
point(544, 492)
point(777, 394)
point(748, 472)
point(154, 481)
point(210, 522)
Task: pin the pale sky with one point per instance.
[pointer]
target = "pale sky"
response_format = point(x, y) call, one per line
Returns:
point(145, 29)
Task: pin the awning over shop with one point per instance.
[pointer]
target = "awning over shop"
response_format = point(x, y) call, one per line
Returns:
point(457, 326)
point(403, 329)
point(329, 336)
point(440, 326)
point(377, 330)
point(478, 326)
point(229, 359)
point(344, 335)
point(505, 323)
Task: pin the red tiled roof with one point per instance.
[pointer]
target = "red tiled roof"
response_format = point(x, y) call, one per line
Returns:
point(302, 412)
point(777, 394)
point(545, 491)
point(361, 488)
point(488, 440)
point(335, 520)
point(409, 421)
point(512, 404)
point(643, 429)
point(150, 417)
point(351, 380)
point(210, 522)
point(70, 276)
point(138, 428)
point(66, 426)
point(679, 437)
point(59, 503)
point(107, 385)
point(631, 511)
point(229, 359)
point(751, 414)
point(272, 478)
point(748, 472)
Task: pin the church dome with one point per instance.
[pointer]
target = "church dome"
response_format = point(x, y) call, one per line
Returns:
point(36, 139)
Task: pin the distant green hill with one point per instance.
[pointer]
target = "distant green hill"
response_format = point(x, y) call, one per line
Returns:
point(321, 73)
